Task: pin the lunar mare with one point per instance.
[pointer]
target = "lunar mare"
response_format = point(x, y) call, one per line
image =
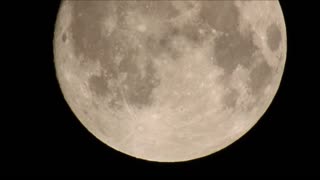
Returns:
point(169, 80)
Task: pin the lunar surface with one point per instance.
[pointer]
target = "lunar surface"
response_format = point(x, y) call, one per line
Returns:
point(169, 81)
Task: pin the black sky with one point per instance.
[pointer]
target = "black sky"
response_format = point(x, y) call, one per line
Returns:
point(41, 136)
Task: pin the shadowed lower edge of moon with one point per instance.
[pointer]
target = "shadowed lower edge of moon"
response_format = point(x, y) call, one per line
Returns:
point(260, 75)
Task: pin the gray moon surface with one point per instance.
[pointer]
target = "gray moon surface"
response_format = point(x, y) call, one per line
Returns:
point(169, 81)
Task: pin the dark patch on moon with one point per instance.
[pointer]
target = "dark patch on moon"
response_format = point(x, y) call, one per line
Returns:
point(273, 36)
point(164, 45)
point(260, 77)
point(230, 99)
point(86, 27)
point(99, 85)
point(221, 15)
point(164, 9)
point(89, 41)
point(153, 46)
point(158, 9)
point(85, 111)
point(64, 37)
point(233, 49)
point(139, 91)
point(191, 33)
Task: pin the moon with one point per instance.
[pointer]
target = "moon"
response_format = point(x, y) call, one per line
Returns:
point(169, 81)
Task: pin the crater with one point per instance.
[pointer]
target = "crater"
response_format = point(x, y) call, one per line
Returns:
point(273, 36)
point(64, 37)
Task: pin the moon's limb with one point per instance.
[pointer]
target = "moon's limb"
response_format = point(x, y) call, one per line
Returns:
point(169, 81)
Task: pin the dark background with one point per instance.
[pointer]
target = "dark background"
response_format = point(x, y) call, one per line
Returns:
point(41, 136)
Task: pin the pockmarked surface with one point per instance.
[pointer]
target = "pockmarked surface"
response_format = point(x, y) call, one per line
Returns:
point(169, 80)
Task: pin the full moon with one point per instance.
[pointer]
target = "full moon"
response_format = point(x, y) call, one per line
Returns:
point(169, 81)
